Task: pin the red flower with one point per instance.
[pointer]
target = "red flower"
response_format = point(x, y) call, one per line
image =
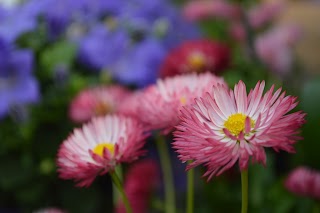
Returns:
point(196, 56)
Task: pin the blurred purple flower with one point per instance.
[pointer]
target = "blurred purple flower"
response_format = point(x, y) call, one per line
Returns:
point(14, 22)
point(140, 65)
point(17, 85)
point(134, 44)
point(102, 47)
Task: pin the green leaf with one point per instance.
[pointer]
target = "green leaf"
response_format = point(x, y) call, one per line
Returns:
point(61, 53)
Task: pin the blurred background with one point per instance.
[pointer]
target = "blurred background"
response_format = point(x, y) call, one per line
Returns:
point(50, 50)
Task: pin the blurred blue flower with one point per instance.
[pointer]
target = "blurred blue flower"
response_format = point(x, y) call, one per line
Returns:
point(134, 45)
point(102, 47)
point(17, 85)
point(140, 65)
point(16, 21)
point(128, 38)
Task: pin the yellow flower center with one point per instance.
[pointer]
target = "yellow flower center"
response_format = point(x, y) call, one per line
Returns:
point(102, 108)
point(197, 61)
point(100, 147)
point(183, 100)
point(236, 123)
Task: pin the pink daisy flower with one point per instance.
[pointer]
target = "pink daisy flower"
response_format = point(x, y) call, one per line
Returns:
point(226, 126)
point(99, 146)
point(160, 103)
point(304, 182)
point(96, 101)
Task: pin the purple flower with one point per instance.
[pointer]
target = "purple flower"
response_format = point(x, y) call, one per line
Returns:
point(141, 65)
point(14, 22)
point(17, 85)
point(102, 47)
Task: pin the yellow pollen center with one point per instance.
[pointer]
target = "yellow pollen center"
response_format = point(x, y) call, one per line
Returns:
point(236, 123)
point(196, 61)
point(102, 108)
point(100, 147)
point(183, 100)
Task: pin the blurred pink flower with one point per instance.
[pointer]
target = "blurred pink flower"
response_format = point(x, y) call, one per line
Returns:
point(275, 48)
point(202, 9)
point(264, 13)
point(141, 180)
point(304, 182)
point(161, 102)
point(226, 126)
point(129, 106)
point(99, 146)
point(96, 101)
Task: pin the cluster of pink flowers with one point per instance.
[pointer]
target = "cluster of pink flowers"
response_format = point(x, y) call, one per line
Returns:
point(212, 124)
point(110, 139)
point(304, 182)
point(216, 127)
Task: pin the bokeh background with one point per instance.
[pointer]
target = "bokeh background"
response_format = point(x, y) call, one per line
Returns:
point(50, 50)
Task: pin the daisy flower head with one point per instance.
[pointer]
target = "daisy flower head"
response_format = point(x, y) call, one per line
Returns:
point(160, 102)
point(201, 55)
point(304, 182)
point(96, 101)
point(225, 126)
point(99, 146)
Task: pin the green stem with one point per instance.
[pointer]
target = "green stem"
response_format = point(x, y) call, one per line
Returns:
point(116, 180)
point(167, 174)
point(115, 192)
point(316, 207)
point(190, 191)
point(244, 184)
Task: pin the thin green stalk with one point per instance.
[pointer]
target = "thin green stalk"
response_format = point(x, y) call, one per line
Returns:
point(316, 207)
point(167, 174)
point(244, 186)
point(116, 180)
point(115, 192)
point(190, 191)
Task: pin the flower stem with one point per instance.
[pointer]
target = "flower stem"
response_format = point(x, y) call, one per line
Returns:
point(115, 192)
point(116, 180)
point(244, 184)
point(190, 191)
point(167, 174)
